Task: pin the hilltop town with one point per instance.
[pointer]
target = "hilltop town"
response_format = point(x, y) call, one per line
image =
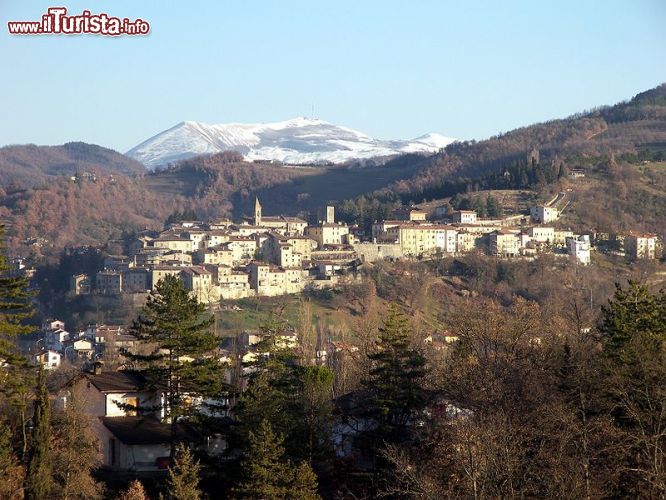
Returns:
point(275, 255)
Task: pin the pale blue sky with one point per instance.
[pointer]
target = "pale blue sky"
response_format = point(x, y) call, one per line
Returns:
point(392, 69)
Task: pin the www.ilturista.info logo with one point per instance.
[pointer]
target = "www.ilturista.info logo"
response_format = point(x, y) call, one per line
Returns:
point(56, 21)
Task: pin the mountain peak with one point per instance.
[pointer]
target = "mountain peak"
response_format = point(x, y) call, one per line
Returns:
point(299, 140)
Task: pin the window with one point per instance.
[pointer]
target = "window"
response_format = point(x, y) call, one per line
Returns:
point(113, 453)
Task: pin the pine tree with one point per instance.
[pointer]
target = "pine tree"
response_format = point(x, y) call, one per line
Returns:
point(38, 479)
point(264, 471)
point(183, 480)
point(634, 314)
point(395, 379)
point(634, 325)
point(304, 483)
point(15, 379)
point(135, 491)
point(15, 307)
point(178, 330)
point(268, 475)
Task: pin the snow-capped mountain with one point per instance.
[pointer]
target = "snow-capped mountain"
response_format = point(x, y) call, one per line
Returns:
point(296, 141)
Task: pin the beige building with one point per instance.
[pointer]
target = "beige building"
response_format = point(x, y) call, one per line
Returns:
point(242, 248)
point(423, 239)
point(504, 243)
point(269, 280)
point(159, 272)
point(233, 284)
point(467, 241)
point(199, 281)
point(287, 251)
point(218, 256)
point(640, 246)
point(173, 242)
point(328, 233)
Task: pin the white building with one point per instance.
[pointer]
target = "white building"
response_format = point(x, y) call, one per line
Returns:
point(464, 217)
point(544, 214)
point(48, 358)
point(579, 248)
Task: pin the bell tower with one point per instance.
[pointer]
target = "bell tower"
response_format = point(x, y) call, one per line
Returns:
point(257, 212)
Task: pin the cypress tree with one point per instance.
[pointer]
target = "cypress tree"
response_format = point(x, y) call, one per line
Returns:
point(38, 479)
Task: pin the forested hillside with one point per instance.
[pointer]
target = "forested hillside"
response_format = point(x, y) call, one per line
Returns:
point(30, 165)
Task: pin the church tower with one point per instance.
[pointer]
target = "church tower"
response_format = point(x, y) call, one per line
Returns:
point(257, 212)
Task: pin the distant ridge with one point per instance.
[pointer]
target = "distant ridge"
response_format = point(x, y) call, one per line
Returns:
point(297, 141)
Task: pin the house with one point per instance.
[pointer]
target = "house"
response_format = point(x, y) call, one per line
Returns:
point(579, 248)
point(130, 433)
point(464, 217)
point(542, 234)
point(77, 349)
point(47, 358)
point(544, 214)
point(134, 443)
point(79, 284)
point(422, 239)
point(109, 282)
point(199, 281)
point(159, 272)
point(328, 233)
point(173, 241)
point(270, 280)
point(504, 243)
point(640, 246)
point(55, 339)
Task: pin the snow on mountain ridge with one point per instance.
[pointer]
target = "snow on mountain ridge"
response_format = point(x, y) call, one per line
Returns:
point(298, 140)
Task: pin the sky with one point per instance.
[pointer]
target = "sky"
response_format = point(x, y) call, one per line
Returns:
point(391, 69)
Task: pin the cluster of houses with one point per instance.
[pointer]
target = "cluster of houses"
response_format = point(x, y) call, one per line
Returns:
point(221, 259)
point(56, 344)
point(276, 255)
point(127, 411)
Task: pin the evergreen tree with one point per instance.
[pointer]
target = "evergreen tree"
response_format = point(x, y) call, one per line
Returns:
point(295, 400)
point(15, 379)
point(178, 330)
point(183, 480)
point(15, 307)
point(135, 491)
point(268, 475)
point(38, 480)
point(633, 314)
point(395, 379)
point(634, 326)
point(304, 483)
point(313, 412)
point(264, 469)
